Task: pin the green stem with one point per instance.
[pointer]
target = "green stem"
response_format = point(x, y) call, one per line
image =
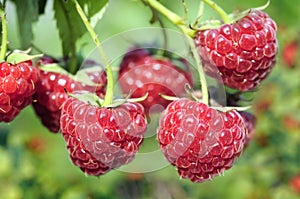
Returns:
point(178, 21)
point(73, 60)
point(200, 14)
point(4, 33)
point(201, 9)
point(204, 89)
point(185, 9)
point(110, 81)
point(219, 10)
point(171, 16)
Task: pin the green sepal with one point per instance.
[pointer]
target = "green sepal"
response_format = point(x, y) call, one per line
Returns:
point(18, 56)
point(231, 108)
point(82, 76)
point(87, 97)
point(94, 100)
point(55, 68)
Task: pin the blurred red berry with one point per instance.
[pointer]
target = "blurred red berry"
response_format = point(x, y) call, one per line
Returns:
point(295, 183)
point(290, 53)
point(141, 73)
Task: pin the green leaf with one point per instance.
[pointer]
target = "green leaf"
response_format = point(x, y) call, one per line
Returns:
point(69, 23)
point(92, 7)
point(94, 10)
point(27, 13)
point(82, 75)
point(55, 68)
point(21, 56)
point(87, 97)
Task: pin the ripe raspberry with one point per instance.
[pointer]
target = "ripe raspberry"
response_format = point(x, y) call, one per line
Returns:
point(50, 94)
point(200, 141)
point(140, 73)
point(17, 85)
point(243, 53)
point(101, 139)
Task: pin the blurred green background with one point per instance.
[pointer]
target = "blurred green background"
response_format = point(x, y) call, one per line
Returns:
point(35, 164)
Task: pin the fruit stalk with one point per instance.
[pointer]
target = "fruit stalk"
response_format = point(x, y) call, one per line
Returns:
point(203, 82)
point(4, 33)
point(219, 10)
point(171, 16)
point(178, 21)
point(110, 81)
point(200, 9)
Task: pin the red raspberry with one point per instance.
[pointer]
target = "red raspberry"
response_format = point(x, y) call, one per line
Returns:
point(200, 141)
point(101, 139)
point(140, 73)
point(243, 53)
point(50, 94)
point(17, 85)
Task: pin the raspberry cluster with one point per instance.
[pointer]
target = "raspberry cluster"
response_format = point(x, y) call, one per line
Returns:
point(103, 132)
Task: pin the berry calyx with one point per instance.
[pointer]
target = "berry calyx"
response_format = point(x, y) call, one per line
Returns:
point(242, 53)
point(100, 139)
point(200, 141)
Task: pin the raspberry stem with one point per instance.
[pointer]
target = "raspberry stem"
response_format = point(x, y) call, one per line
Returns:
point(179, 22)
point(4, 33)
point(171, 16)
point(203, 82)
point(200, 9)
point(110, 80)
point(219, 10)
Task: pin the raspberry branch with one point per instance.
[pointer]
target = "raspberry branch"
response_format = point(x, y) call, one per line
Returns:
point(4, 32)
point(199, 15)
point(204, 89)
point(225, 17)
point(171, 16)
point(179, 22)
point(110, 81)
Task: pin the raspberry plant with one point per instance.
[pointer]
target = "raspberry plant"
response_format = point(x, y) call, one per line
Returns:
point(110, 113)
